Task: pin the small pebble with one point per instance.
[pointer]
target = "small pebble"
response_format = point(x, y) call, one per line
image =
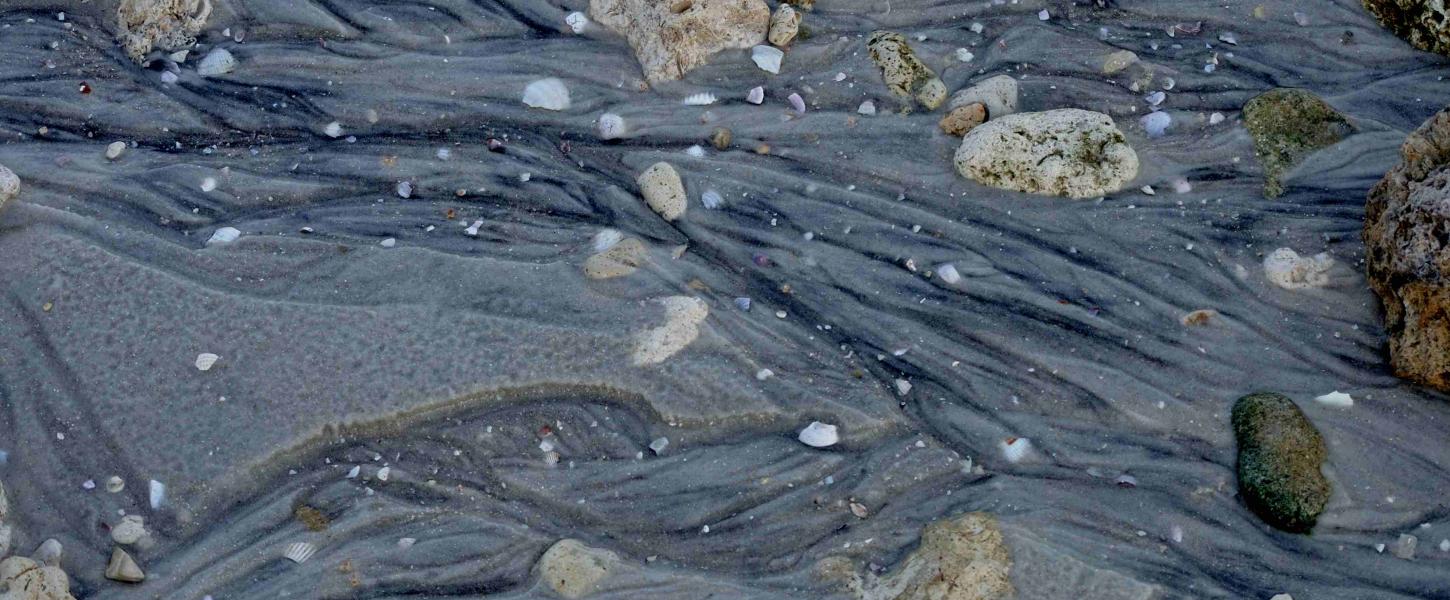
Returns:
point(114, 150)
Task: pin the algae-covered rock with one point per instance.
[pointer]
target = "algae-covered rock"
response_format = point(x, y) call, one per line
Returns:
point(1065, 152)
point(906, 76)
point(962, 558)
point(1407, 254)
point(1287, 125)
point(1280, 456)
point(1424, 24)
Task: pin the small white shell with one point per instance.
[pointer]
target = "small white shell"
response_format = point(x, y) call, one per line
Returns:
point(867, 108)
point(205, 360)
point(299, 552)
point(208, 184)
point(767, 58)
point(1156, 123)
point(659, 444)
point(948, 273)
point(548, 93)
point(611, 126)
point(577, 22)
point(158, 494)
point(333, 129)
point(700, 99)
point(406, 542)
point(354, 472)
point(1015, 449)
point(1336, 398)
point(224, 235)
point(756, 95)
point(216, 62)
point(115, 484)
point(819, 435)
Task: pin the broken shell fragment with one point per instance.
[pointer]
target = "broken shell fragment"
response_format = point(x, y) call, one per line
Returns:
point(819, 435)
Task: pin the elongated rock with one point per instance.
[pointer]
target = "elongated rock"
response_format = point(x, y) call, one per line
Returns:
point(9, 186)
point(164, 24)
point(672, 37)
point(1279, 460)
point(1065, 152)
point(663, 190)
point(906, 76)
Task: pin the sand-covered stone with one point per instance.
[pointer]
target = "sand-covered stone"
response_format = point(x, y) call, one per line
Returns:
point(1288, 125)
point(998, 94)
point(574, 570)
point(618, 260)
point(906, 76)
point(1064, 152)
point(1425, 24)
point(672, 37)
point(961, 558)
point(663, 190)
point(24, 579)
point(683, 316)
point(160, 24)
point(1118, 61)
point(1407, 253)
point(1280, 455)
point(123, 568)
point(784, 25)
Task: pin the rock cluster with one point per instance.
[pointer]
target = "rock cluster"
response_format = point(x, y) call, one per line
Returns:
point(1064, 152)
point(670, 38)
point(1279, 461)
point(1407, 254)
point(663, 190)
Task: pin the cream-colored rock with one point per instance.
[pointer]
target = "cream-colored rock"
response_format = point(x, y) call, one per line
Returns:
point(164, 24)
point(1118, 61)
point(1065, 152)
point(130, 530)
point(663, 191)
point(905, 75)
point(123, 568)
point(618, 260)
point(784, 25)
point(683, 316)
point(963, 558)
point(574, 570)
point(998, 94)
point(672, 37)
point(9, 186)
point(25, 579)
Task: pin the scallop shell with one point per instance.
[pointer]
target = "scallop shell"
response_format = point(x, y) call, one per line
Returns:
point(700, 99)
point(819, 435)
point(205, 360)
point(299, 552)
point(1016, 448)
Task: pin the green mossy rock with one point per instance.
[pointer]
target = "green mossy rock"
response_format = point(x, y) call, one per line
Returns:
point(1288, 125)
point(1280, 455)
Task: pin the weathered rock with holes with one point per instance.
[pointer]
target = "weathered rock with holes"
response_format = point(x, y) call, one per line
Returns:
point(1407, 254)
point(574, 570)
point(906, 76)
point(24, 579)
point(962, 558)
point(163, 24)
point(1287, 126)
point(672, 37)
point(962, 119)
point(1424, 24)
point(784, 25)
point(1279, 461)
point(1065, 152)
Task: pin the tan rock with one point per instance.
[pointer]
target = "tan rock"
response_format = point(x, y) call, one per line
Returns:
point(123, 568)
point(1118, 61)
point(1407, 258)
point(683, 316)
point(963, 558)
point(784, 25)
point(25, 579)
point(1064, 152)
point(574, 570)
point(905, 75)
point(963, 118)
point(672, 37)
point(663, 190)
point(618, 260)
point(164, 24)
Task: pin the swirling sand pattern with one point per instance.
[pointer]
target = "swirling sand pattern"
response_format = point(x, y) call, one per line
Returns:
point(441, 358)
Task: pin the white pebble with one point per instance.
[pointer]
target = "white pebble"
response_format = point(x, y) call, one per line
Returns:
point(217, 62)
point(1181, 185)
point(224, 235)
point(965, 55)
point(158, 494)
point(405, 189)
point(606, 239)
point(205, 360)
point(767, 58)
point(577, 22)
point(1215, 118)
point(867, 108)
point(549, 94)
point(696, 151)
point(610, 126)
point(1014, 449)
point(819, 435)
point(333, 129)
point(1156, 123)
point(1336, 398)
point(756, 95)
point(208, 184)
point(1043, 15)
point(115, 149)
point(388, 243)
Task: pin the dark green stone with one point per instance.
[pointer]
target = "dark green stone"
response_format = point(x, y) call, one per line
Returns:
point(1280, 455)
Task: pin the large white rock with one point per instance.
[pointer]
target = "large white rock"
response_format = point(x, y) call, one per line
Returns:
point(671, 37)
point(1065, 152)
point(998, 94)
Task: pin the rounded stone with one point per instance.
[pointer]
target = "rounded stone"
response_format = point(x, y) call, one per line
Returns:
point(663, 190)
point(1280, 456)
point(1065, 152)
point(574, 570)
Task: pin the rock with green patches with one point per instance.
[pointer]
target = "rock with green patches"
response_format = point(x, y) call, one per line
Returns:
point(1064, 152)
point(1288, 125)
point(1422, 24)
point(1280, 455)
point(906, 76)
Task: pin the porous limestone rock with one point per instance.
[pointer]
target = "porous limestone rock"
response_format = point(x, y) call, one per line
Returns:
point(574, 570)
point(906, 76)
point(784, 25)
point(663, 190)
point(962, 558)
point(25, 579)
point(1407, 254)
point(672, 37)
point(1424, 24)
point(1064, 152)
point(163, 24)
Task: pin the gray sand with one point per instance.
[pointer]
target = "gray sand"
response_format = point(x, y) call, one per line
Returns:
point(443, 357)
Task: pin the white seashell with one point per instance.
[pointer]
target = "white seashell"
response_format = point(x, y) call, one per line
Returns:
point(867, 108)
point(701, 99)
point(548, 93)
point(208, 184)
point(1155, 98)
point(797, 103)
point(115, 484)
point(299, 552)
point(696, 151)
point(388, 243)
point(819, 435)
point(1015, 449)
point(711, 199)
point(948, 273)
point(472, 230)
point(577, 22)
point(406, 542)
point(756, 95)
point(611, 126)
point(1336, 398)
point(49, 552)
point(333, 129)
point(1215, 118)
point(1156, 123)
point(903, 387)
point(606, 239)
point(158, 494)
point(216, 62)
point(205, 360)
point(659, 444)
point(354, 472)
point(767, 58)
